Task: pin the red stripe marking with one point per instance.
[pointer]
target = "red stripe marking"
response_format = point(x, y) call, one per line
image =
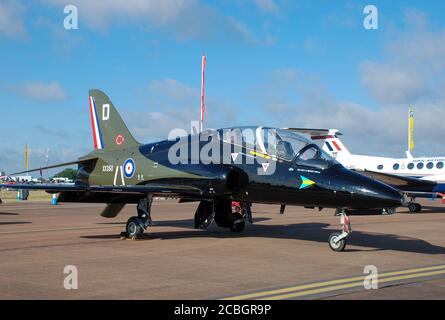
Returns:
point(322, 137)
point(336, 145)
point(92, 123)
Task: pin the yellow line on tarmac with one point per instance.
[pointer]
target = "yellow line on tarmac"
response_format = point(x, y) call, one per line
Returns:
point(352, 285)
point(328, 283)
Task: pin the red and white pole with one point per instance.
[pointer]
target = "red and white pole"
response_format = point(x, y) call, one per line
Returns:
point(202, 91)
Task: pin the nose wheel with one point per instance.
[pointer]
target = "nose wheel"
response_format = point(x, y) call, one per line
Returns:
point(336, 243)
point(337, 240)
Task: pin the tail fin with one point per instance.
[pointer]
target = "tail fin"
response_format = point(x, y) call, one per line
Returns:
point(333, 145)
point(109, 130)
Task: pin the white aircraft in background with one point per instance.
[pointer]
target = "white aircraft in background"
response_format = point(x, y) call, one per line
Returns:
point(415, 176)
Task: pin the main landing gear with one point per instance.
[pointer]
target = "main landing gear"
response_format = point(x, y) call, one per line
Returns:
point(137, 225)
point(225, 213)
point(414, 207)
point(337, 240)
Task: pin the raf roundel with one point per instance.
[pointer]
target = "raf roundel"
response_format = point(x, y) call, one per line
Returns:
point(129, 168)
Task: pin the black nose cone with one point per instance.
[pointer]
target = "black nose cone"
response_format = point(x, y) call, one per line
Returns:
point(381, 195)
point(367, 192)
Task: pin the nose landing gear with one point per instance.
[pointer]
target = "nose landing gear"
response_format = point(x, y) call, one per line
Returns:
point(337, 240)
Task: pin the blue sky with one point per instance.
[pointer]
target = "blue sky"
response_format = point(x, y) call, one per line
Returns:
point(271, 62)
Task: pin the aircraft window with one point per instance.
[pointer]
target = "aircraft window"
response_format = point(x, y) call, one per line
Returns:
point(439, 165)
point(420, 165)
point(396, 166)
point(380, 167)
point(411, 166)
point(430, 165)
point(313, 156)
point(282, 143)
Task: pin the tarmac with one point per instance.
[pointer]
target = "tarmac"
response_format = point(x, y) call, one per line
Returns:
point(278, 257)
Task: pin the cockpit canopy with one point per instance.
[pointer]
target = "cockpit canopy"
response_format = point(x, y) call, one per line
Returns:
point(281, 144)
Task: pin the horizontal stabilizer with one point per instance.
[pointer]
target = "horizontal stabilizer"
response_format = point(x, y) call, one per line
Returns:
point(65, 164)
point(316, 132)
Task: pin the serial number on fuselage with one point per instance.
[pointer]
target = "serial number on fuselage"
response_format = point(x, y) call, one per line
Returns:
point(108, 168)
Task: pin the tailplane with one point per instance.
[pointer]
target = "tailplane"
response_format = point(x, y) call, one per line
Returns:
point(109, 130)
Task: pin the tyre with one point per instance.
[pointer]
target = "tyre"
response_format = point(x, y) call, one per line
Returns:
point(203, 215)
point(133, 227)
point(414, 207)
point(335, 245)
point(238, 223)
point(223, 213)
point(388, 211)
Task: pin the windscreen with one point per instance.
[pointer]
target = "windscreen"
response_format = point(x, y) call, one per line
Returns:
point(292, 147)
point(280, 143)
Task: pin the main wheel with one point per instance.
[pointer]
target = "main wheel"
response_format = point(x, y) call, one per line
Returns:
point(238, 223)
point(133, 227)
point(203, 215)
point(388, 211)
point(414, 207)
point(336, 245)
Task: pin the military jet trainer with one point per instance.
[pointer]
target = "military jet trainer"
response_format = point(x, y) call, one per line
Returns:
point(245, 164)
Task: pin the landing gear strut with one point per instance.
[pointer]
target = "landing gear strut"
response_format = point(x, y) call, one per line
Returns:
point(137, 225)
point(337, 240)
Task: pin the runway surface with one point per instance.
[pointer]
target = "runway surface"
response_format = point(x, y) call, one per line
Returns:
point(279, 257)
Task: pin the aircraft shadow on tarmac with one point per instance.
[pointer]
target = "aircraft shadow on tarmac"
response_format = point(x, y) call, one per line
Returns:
point(316, 232)
point(8, 214)
point(186, 223)
point(427, 209)
point(13, 222)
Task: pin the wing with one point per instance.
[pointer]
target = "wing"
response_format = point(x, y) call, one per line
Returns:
point(115, 197)
point(413, 187)
point(399, 181)
point(156, 189)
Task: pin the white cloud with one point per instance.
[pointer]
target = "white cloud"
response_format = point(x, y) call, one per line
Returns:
point(39, 91)
point(393, 84)
point(371, 131)
point(101, 14)
point(11, 23)
point(172, 104)
point(268, 6)
point(183, 19)
point(412, 70)
point(173, 89)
